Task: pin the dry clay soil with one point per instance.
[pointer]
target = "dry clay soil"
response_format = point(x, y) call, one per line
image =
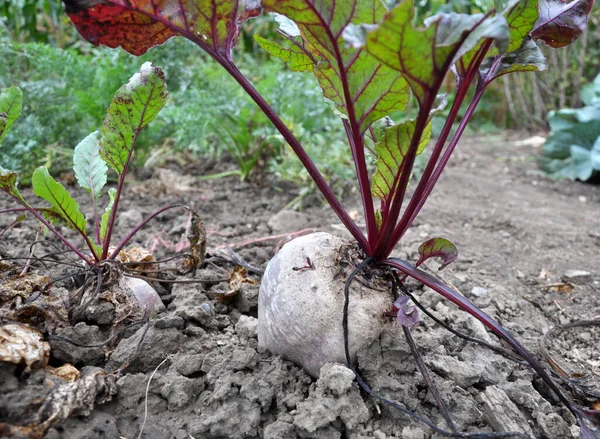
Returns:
point(529, 255)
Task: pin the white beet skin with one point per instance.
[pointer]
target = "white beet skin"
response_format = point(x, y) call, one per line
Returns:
point(300, 311)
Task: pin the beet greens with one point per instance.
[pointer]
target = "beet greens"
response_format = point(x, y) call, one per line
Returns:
point(134, 106)
point(369, 62)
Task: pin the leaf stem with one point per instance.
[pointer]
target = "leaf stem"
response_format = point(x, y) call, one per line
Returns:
point(466, 305)
point(445, 158)
point(431, 174)
point(309, 165)
point(401, 181)
point(53, 229)
point(357, 147)
point(123, 174)
point(136, 229)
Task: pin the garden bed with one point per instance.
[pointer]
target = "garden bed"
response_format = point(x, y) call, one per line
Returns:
point(529, 251)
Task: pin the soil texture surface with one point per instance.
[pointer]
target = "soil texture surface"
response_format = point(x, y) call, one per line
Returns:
point(186, 363)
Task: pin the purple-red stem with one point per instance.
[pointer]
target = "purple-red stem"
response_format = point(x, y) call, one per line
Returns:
point(437, 151)
point(317, 177)
point(444, 160)
point(357, 146)
point(138, 227)
point(113, 213)
point(466, 305)
point(389, 221)
point(50, 227)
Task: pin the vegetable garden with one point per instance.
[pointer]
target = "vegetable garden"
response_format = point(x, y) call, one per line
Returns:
point(138, 313)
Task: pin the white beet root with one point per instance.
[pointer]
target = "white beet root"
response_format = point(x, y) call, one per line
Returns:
point(300, 311)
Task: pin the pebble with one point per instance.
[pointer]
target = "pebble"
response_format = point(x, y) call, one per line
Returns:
point(577, 276)
point(461, 277)
point(479, 291)
point(247, 326)
point(412, 433)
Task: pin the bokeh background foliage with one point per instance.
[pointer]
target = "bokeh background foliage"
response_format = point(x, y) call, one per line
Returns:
point(68, 85)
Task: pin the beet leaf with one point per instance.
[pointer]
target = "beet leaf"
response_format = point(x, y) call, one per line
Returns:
point(138, 25)
point(295, 56)
point(438, 248)
point(391, 151)
point(134, 105)
point(112, 193)
point(424, 56)
point(47, 188)
point(11, 105)
point(8, 183)
point(560, 23)
point(90, 169)
point(361, 87)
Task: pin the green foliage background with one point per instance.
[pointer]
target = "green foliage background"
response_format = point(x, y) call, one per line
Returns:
point(68, 85)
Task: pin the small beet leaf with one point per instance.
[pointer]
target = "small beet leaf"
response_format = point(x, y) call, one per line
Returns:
point(138, 25)
point(523, 53)
point(361, 88)
point(8, 183)
point(528, 58)
point(438, 248)
point(45, 187)
point(11, 104)
point(112, 193)
point(560, 23)
point(424, 56)
point(134, 105)
point(90, 169)
point(391, 151)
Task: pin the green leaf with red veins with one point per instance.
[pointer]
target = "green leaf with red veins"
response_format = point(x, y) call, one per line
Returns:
point(528, 58)
point(134, 105)
point(11, 104)
point(424, 56)
point(560, 23)
point(521, 16)
point(493, 29)
point(438, 248)
point(138, 25)
point(391, 151)
point(295, 58)
point(45, 187)
point(361, 88)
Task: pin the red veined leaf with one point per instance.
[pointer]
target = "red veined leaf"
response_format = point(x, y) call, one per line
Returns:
point(560, 23)
point(360, 87)
point(138, 25)
point(440, 248)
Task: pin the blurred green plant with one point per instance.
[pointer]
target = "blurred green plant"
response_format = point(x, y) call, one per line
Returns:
point(573, 149)
point(67, 92)
point(42, 21)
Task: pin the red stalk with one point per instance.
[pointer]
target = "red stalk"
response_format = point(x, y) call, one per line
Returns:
point(317, 177)
point(50, 227)
point(402, 182)
point(465, 304)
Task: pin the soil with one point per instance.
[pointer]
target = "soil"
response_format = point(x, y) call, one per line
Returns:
point(529, 256)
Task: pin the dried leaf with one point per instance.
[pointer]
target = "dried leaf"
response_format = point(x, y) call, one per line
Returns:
point(197, 239)
point(79, 397)
point(66, 372)
point(20, 344)
point(138, 259)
